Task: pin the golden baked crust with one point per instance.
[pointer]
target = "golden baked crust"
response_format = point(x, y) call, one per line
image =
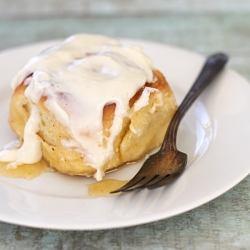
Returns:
point(141, 132)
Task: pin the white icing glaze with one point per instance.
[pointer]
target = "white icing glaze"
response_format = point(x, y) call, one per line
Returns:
point(8, 152)
point(144, 98)
point(30, 151)
point(157, 102)
point(79, 77)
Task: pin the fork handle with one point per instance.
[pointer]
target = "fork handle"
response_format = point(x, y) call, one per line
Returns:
point(213, 65)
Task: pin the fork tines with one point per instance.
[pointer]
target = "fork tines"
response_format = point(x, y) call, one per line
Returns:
point(144, 182)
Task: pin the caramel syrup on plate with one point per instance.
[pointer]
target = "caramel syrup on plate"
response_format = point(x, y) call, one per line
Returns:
point(104, 187)
point(30, 171)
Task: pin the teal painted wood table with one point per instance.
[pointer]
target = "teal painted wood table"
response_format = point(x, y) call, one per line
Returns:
point(223, 223)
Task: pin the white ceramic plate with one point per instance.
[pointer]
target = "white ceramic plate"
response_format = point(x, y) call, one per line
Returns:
point(215, 133)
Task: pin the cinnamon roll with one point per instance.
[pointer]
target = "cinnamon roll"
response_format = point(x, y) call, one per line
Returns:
point(88, 105)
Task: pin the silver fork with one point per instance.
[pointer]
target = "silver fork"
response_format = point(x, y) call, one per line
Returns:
point(168, 163)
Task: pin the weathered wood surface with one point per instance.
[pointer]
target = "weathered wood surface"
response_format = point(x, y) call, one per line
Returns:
point(203, 27)
point(83, 8)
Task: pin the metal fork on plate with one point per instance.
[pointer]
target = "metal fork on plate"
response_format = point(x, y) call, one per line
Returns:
point(168, 163)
